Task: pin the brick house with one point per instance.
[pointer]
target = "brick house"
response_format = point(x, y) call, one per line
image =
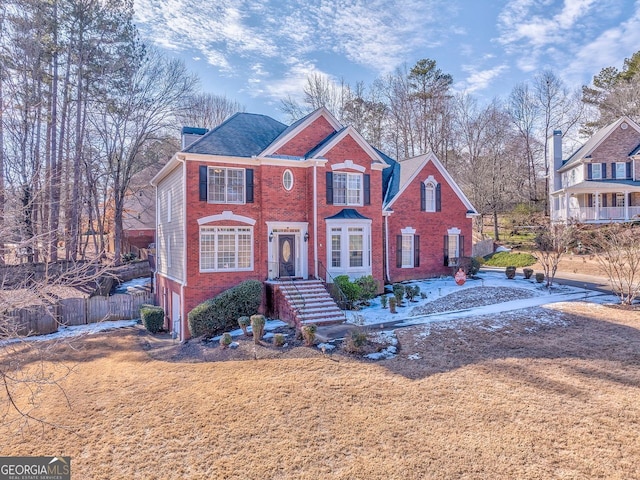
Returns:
point(599, 182)
point(295, 206)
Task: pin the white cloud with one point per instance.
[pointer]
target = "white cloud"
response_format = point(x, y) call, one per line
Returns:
point(607, 49)
point(481, 79)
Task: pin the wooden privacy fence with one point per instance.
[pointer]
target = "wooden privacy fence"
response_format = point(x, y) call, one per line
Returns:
point(40, 319)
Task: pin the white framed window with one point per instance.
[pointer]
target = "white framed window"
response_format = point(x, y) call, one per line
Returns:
point(226, 249)
point(407, 251)
point(287, 180)
point(621, 170)
point(226, 185)
point(336, 249)
point(596, 171)
point(429, 197)
point(356, 247)
point(349, 247)
point(347, 188)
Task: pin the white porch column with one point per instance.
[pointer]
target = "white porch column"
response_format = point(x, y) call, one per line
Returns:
point(566, 207)
point(627, 197)
point(597, 205)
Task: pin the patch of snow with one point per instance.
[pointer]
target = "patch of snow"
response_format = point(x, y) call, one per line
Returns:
point(75, 331)
point(414, 356)
point(326, 346)
point(389, 352)
point(502, 248)
point(234, 345)
point(438, 288)
point(268, 326)
point(135, 285)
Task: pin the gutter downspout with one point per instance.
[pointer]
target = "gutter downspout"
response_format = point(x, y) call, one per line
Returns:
point(184, 246)
point(315, 219)
point(386, 245)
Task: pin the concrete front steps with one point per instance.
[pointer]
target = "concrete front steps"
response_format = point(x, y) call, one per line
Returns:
point(310, 302)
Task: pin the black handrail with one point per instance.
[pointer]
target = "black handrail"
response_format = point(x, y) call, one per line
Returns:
point(342, 301)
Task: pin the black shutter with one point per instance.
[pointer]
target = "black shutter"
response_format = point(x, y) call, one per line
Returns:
point(613, 170)
point(604, 170)
point(628, 169)
point(329, 188)
point(614, 200)
point(249, 184)
point(590, 200)
point(604, 199)
point(203, 180)
point(460, 246)
point(399, 251)
point(416, 250)
point(367, 189)
point(438, 198)
point(589, 171)
point(423, 197)
point(446, 250)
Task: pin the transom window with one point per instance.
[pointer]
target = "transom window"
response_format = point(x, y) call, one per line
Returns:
point(226, 248)
point(226, 185)
point(596, 171)
point(287, 180)
point(347, 189)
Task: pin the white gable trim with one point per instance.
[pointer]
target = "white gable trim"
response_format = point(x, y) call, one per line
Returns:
point(226, 215)
point(348, 164)
point(614, 127)
point(359, 140)
point(431, 157)
point(312, 117)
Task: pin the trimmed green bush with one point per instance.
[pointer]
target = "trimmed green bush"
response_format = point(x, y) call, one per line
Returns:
point(351, 290)
point(309, 333)
point(368, 288)
point(226, 340)
point(257, 327)
point(398, 292)
point(507, 259)
point(152, 318)
point(221, 313)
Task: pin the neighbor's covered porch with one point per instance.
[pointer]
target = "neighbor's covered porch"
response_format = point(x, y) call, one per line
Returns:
point(596, 206)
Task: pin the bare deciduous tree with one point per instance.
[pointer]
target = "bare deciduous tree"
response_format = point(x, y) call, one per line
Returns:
point(551, 245)
point(617, 251)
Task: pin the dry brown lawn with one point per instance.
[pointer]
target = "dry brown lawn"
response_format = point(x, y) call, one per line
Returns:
point(526, 400)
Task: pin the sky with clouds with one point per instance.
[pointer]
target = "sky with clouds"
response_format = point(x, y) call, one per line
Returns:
point(258, 52)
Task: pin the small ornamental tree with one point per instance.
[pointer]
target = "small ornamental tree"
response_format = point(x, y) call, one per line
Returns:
point(617, 251)
point(551, 244)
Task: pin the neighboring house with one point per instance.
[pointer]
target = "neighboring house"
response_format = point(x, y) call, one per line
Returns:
point(600, 182)
point(255, 199)
point(139, 214)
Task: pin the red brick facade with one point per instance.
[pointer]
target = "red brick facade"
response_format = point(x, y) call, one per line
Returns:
point(276, 211)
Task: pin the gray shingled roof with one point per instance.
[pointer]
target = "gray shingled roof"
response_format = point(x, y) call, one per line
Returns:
point(242, 135)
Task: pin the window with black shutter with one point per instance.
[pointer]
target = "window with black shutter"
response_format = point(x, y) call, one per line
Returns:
point(399, 251)
point(329, 178)
point(367, 189)
point(416, 250)
point(438, 198)
point(249, 185)
point(203, 178)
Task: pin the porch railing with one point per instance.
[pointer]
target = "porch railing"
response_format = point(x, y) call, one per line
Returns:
point(595, 214)
point(334, 290)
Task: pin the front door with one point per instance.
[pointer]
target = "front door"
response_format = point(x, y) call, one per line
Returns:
point(286, 255)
